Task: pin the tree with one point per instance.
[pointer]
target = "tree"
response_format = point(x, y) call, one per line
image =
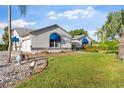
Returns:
point(23, 12)
point(101, 34)
point(113, 27)
point(5, 36)
point(78, 32)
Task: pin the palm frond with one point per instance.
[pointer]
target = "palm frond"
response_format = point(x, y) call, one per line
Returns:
point(23, 9)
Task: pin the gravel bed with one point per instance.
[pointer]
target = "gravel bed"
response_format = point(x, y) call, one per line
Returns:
point(11, 73)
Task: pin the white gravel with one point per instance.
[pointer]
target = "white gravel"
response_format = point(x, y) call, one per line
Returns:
point(11, 73)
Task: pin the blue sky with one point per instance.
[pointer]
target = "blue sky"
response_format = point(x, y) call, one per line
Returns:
point(69, 17)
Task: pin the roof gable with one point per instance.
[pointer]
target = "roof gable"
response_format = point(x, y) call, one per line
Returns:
point(23, 31)
point(80, 37)
point(49, 28)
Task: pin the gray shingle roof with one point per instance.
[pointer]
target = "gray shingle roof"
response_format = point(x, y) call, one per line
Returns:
point(23, 31)
point(81, 36)
point(54, 26)
point(26, 31)
point(46, 28)
point(78, 37)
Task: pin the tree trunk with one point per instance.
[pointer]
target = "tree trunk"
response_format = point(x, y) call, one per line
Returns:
point(121, 47)
point(9, 32)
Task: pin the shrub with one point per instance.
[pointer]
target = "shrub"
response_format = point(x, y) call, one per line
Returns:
point(102, 47)
point(90, 48)
point(112, 45)
point(108, 47)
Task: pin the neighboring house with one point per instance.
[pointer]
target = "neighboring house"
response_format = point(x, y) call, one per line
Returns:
point(80, 40)
point(52, 38)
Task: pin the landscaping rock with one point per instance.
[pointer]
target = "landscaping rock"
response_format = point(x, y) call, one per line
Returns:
point(11, 73)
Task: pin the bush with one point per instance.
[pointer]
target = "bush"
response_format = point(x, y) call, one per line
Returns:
point(90, 48)
point(112, 45)
point(102, 47)
point(3, 47)
point(108, 47)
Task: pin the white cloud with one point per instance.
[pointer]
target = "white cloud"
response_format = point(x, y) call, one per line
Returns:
point(89, 12)
point(18, 23)
point(2, 25)
point(52, 15)
point(22, 23)
point(73, 14)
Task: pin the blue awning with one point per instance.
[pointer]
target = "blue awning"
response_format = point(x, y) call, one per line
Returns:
point(85, 41)
point(15, 39)
point(54, 36)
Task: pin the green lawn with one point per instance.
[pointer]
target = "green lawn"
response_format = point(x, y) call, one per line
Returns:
point(80, 70)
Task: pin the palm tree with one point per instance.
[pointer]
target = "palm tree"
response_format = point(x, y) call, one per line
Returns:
point(101, 34)
point(23, 12)
point(113, 26)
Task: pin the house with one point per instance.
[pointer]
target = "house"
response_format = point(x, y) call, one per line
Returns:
point(80, 40)
point(52, 39)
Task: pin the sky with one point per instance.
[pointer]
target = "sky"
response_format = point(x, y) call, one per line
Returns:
point(88, 17)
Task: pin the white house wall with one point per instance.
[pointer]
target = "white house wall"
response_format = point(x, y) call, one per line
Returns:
point(40, 39)
point(26, 44)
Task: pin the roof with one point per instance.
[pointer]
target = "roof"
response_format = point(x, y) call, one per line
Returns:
point(50, 27)
point(78, 37)
point(45, 28)
point(23, 31)
point(26, 31)
point(81, 36)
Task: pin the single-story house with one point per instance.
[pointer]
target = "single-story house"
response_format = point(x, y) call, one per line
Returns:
point(80, 40)
point(52, 39)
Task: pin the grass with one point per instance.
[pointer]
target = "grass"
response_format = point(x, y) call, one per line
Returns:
point(80, 70)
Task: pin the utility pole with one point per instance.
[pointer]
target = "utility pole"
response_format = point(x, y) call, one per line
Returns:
point(9, 32)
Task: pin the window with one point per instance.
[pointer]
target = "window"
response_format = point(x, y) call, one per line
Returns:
point(55, 40)
point(51, 43)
